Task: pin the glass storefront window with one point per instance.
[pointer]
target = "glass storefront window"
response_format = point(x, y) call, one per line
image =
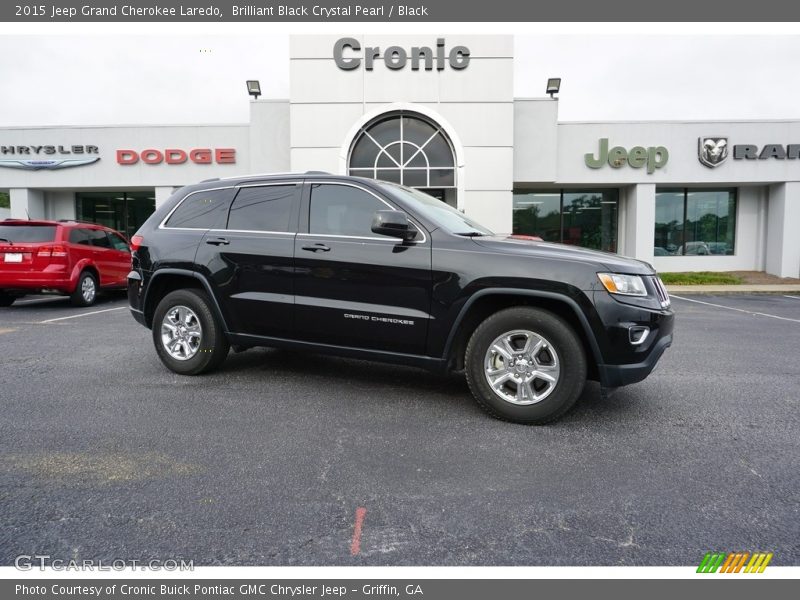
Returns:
point(586, 218)
point(695, 222)
point(123, 211)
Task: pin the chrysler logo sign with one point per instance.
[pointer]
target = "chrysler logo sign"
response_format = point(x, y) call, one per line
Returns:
point(50, 165)
point(52, 157)
point(712, 151)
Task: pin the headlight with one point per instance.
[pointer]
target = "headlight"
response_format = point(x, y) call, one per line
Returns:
point(627, 285)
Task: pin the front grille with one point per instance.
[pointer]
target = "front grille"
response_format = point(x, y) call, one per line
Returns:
point(661, 291)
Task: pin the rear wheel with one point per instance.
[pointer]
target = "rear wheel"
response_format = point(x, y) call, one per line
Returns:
point(6, 299)
point(188, 337)
point(525, 365)
point(85, 292)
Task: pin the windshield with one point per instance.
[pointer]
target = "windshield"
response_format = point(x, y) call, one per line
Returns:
point(444, 215)
point(28, 233)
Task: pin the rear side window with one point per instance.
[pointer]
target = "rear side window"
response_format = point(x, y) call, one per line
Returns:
point(200, 210)
point(263, 208)
point(28, 233)
point(79, 236)
point(99, 238)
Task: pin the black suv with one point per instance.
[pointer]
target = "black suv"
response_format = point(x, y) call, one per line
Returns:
point(373, 270)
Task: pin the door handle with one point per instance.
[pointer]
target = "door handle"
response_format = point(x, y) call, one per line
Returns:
point(317, 248)
point(218, 242)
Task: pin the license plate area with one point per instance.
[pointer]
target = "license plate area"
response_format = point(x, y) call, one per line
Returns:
point(13, 257)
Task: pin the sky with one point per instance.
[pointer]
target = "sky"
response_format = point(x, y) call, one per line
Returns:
point(126, 79)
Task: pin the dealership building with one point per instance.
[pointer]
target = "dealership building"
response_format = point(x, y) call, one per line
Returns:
point(439, 113)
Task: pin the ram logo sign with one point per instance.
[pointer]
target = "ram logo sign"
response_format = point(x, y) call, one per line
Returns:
point(712, 151)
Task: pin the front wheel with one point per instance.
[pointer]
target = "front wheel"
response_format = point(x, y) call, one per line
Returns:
point(525, 365)
point(188, 338)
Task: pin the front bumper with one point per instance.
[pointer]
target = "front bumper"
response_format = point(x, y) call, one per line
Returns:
point(626, 358)
point(612, 376)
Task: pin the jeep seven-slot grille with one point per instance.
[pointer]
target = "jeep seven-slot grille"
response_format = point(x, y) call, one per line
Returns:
point(661, 291)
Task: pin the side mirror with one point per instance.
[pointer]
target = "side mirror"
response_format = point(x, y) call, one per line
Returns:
point(393, 223)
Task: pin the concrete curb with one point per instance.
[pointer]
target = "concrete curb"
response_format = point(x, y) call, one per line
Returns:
point(773, 288)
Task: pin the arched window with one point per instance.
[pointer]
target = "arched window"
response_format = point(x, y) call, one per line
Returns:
point(404, 147)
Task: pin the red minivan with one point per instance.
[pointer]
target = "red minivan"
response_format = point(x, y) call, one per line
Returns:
point(61, 257)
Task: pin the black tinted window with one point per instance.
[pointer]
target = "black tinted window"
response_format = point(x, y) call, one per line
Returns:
point(99, 238)
point(342, 210)
point(28, 233)
point(79, 236)
point(117, 242)
point(267, 208)
point(200, 210)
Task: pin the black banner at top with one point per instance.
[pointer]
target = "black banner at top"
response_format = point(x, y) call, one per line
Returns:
point(413, 11)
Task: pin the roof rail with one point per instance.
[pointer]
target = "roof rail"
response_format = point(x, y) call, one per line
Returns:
point(317, 173)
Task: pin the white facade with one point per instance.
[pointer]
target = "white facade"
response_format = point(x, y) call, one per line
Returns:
point(500, 144)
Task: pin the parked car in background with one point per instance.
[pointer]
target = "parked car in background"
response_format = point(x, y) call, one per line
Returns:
point(695, 248)
point(719, 248)
point(61, 257)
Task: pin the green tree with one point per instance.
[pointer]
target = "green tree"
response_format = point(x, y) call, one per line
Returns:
point(5, 201)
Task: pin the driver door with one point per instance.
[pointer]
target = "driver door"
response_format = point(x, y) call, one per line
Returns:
point(354, 287)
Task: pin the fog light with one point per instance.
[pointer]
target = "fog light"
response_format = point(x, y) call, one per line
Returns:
point(638, 334)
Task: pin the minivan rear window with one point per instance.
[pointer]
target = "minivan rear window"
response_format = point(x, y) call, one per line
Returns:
point(27, 233)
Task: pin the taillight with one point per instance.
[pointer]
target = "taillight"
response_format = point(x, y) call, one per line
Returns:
point(47, 251)
point(136, 241)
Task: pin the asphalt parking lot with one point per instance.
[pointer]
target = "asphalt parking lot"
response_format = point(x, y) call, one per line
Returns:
point(105, 454)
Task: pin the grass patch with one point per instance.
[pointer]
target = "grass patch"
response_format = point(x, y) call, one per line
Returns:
point(701, 278)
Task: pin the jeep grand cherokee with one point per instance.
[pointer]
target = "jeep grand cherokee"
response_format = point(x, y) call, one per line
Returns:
point(373, 270)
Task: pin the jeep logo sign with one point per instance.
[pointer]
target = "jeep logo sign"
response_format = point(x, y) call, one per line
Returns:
point(653, 157)
point(348, 56)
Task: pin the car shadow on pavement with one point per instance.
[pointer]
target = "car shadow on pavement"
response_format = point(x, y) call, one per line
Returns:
point(448, 387)
point(50, 303)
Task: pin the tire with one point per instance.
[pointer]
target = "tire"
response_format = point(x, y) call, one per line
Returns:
point(85, 293)
point(200, 346)
point(528, 348)
point(6, 299)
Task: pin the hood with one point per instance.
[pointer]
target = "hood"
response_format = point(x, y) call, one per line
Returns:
point(522, 245)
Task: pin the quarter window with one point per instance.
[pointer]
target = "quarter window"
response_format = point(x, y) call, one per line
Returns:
point(264, 208)
point(201, 210)
point(342, 210)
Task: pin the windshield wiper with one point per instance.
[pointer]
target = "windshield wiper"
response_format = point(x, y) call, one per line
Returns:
point(5, 240)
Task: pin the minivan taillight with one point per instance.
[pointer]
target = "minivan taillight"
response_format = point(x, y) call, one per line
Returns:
point(136, 241)
point(57, 251)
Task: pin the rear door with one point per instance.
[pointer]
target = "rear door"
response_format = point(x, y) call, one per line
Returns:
point(250, 261)
point(354, 287)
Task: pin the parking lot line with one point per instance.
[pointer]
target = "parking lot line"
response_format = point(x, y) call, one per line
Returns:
point(794, 297)
point(2, 330)
point(749, 312)
point(94, 312)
